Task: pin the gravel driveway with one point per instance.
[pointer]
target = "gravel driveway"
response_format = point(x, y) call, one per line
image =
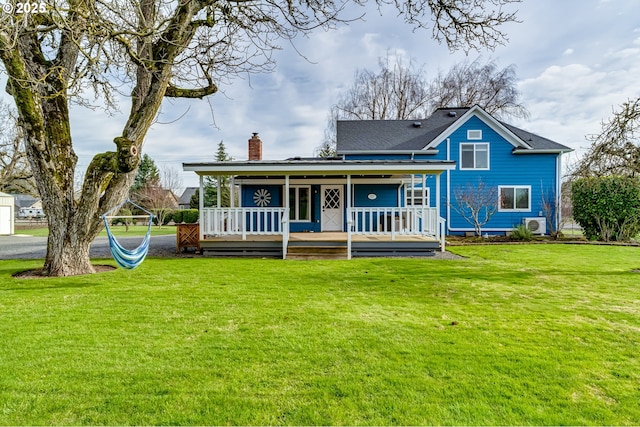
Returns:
point(29, 247)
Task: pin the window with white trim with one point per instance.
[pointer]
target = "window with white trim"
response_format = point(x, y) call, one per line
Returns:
point(300, 203)
point(474, 156)
point(473, 134)
point(514, 198)
point(413, 196)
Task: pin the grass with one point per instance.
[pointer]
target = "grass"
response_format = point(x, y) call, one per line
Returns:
point(117, 230)
point(519, 334)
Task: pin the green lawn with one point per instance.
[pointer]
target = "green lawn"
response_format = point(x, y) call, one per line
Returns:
point(117, 230)
point(522, 334)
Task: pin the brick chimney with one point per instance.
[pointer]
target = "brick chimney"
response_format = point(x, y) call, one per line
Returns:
point(255, 147)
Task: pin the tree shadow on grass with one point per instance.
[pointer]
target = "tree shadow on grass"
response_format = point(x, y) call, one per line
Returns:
point(37, 274)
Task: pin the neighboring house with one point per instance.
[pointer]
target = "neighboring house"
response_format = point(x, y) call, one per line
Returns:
point(28, 207)
point(184, 202)
point(388, 192)
point(156, 197)
point(25, 201)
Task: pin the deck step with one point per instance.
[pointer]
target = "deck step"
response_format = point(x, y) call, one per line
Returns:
point(315, 252)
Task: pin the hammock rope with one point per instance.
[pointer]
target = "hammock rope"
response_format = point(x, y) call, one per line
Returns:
point(128, 258)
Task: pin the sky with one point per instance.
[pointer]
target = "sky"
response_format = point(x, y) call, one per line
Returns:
point(576, 60)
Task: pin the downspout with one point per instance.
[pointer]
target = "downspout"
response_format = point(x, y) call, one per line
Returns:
point(558, 191)
point(448, 201)
point(349, 216)
point(439, 230)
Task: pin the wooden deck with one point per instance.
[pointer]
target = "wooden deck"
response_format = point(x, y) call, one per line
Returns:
point(320, 237)
point(305, 245)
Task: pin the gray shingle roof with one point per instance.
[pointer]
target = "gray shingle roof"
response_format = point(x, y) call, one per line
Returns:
point(24, 200)
point(537, 142)
point(185, 198)
point(413, 135)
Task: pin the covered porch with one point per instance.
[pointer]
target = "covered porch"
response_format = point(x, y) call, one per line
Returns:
point(324, 203)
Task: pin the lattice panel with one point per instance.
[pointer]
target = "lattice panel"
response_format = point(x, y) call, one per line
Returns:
point(187, 235)
point(332, 198)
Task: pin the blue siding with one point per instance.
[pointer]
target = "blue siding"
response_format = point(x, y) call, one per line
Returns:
point(277, 200)
point(538, 171)
point(248, 192)
point(505, 169)
point(386, 195)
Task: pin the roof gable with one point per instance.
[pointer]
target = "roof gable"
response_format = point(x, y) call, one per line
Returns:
point(394, 136)
point(488, 119)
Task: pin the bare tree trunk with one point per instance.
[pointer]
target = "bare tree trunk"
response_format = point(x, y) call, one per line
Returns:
point(67, 253)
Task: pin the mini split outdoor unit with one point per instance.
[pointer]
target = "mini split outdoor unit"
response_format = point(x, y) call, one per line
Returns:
point(536, 225)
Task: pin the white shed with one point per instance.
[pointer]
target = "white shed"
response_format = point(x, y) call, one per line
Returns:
point(6, 213)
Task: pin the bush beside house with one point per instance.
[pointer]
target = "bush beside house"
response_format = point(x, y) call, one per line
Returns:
point(607, 208)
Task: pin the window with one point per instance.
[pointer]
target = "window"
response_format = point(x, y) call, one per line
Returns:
point(300, 203)
point(515, 198)
point(474, 134)
point(474, 156)
point(413, 196)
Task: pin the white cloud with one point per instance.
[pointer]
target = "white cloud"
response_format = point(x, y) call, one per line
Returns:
point(577, 59)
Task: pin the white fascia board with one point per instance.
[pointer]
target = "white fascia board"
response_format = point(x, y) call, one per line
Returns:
point(548, 151)
point(310, 168)
point(321, 181)
point(498, 127)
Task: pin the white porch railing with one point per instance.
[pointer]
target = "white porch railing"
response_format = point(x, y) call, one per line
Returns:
point(395, 221)
point(245, 221)
point(391, 221)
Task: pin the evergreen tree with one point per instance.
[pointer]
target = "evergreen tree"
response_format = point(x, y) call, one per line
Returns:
point(148, 174)
point(211, 184)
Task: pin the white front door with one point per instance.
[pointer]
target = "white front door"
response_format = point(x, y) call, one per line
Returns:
point(331, 207)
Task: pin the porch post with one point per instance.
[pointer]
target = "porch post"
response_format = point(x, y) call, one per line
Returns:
point(439, 230)
point(219, 192)
point(285, 220)
point(349, 217)
point(232, 191)
point(413, 186)
point(424, 190)
point(203, 222)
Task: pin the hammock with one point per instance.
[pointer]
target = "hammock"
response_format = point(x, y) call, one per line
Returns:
point(128, 258)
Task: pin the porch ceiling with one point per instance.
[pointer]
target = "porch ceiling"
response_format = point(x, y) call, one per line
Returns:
point(321, 167)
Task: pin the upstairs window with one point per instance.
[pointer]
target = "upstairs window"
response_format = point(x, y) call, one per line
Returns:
point(474, 135)
point(515, 198)
point(474, 156)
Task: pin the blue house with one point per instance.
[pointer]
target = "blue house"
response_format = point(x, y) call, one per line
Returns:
point(393, 189)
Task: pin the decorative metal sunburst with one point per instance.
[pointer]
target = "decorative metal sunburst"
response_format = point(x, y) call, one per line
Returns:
point(262, 197)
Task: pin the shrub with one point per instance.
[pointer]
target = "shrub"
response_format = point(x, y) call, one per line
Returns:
point(190, 216)
point(522, 232)
point(177, 216)
point(607, 208)
point(165, 214)
point(123, 221)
